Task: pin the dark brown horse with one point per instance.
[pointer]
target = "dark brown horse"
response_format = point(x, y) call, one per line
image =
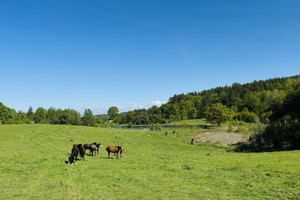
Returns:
point(73, 156)
point(114, 149)
point(81, 150)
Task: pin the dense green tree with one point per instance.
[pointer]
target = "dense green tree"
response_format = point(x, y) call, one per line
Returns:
point(218, 113)
point(21, 118)
point(118, 118)
point(88, 118)
point(52, 116)
point(72, 117)
point(112, 112)
point(40, 116)
point(5, 114)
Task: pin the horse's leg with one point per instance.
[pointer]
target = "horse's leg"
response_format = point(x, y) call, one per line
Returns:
point(108, 154)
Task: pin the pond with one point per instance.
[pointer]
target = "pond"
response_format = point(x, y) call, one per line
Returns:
point(141, 127)
point(182, 126)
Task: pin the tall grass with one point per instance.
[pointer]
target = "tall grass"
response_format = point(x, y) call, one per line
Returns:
point(155, 166)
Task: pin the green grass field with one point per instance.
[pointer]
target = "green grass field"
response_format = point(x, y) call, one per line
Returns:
point(155, 166)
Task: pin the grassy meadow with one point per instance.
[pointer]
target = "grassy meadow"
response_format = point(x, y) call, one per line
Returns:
point(156, 165)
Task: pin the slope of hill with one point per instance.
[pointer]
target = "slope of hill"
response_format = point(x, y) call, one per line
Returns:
point(155, 166)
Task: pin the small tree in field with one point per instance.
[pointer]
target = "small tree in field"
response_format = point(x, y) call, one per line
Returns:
point(218, 113)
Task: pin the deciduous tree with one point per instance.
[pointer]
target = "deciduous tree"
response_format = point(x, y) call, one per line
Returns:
point(218, 113)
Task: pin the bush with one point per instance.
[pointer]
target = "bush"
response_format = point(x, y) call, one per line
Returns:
point(129, 125)
point(278, 135)
point(155, 127)
point(241, 129)
point(282, 135)
point(247, 116)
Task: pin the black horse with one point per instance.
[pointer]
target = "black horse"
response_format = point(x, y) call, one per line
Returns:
point(73, 156)
point(81, 150)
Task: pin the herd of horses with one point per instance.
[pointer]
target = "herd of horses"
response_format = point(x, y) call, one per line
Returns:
point(79, 149)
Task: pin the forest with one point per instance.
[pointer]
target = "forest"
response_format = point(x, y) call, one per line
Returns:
point(251, 102)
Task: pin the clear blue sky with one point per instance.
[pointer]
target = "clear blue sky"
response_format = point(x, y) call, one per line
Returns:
point(131, 54)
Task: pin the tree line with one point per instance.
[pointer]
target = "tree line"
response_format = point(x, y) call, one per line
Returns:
point(47, 116)
point(251, 102)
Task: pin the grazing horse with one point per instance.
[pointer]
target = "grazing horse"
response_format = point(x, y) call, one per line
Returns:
point(114, 149)
point(81, 150)
point(73, 156)
point(89, 146)
point(93, 148)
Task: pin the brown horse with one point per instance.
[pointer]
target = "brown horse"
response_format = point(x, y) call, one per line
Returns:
point(115, 150)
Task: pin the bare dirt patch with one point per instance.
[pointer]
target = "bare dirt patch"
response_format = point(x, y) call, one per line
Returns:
point(223, 138)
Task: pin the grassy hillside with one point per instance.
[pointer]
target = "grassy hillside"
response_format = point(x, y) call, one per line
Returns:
point(155, 166)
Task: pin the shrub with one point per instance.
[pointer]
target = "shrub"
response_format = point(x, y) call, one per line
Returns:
point(129, 125)
point(155, 127)
point(247, 116)
point(230, 128)
point(278, 135)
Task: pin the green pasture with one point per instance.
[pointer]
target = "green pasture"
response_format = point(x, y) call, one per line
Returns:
point(156, 165)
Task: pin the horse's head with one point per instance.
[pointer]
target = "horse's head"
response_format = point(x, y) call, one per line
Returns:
point(71, 160)
point(99, 145)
